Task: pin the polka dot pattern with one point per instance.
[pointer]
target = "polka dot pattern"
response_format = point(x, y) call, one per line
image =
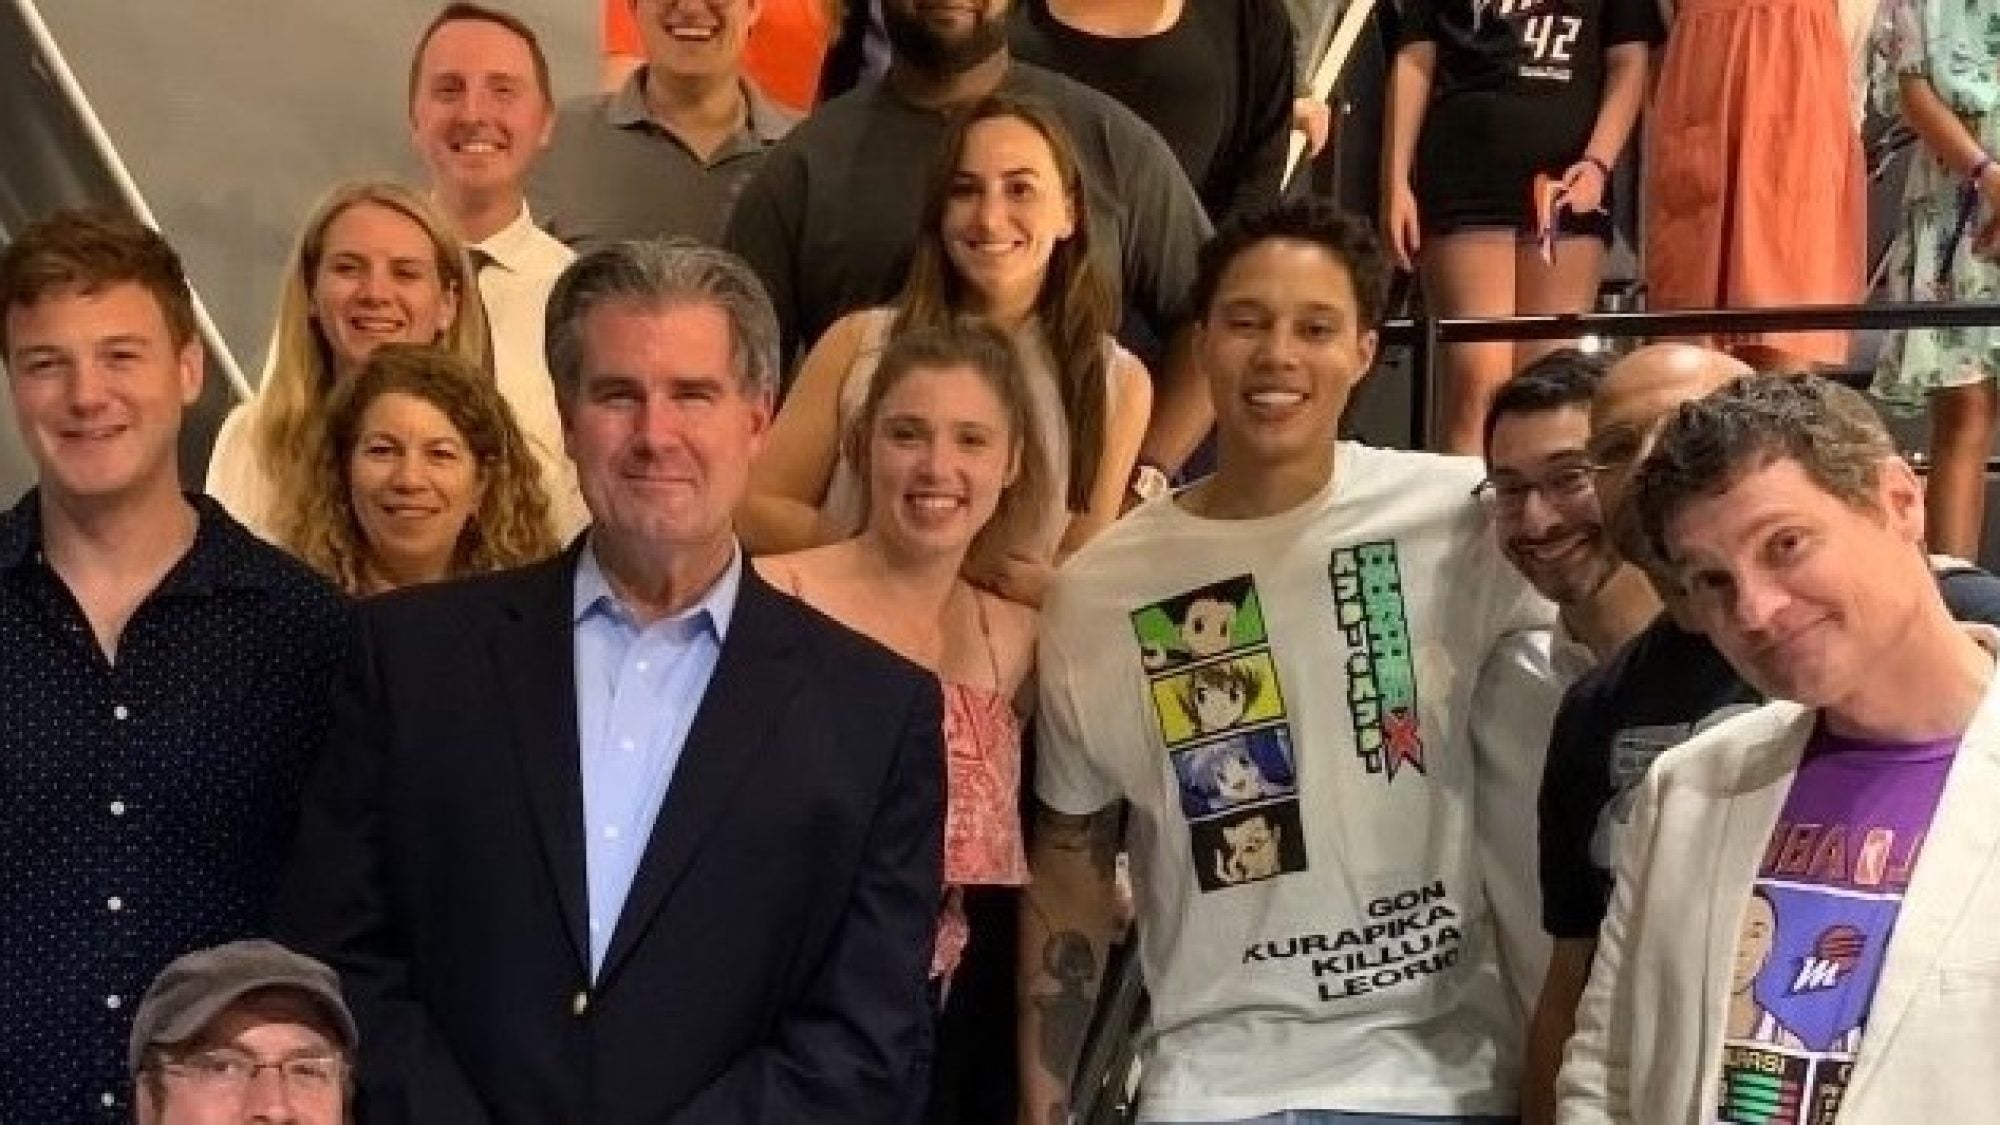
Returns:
point(146, 806)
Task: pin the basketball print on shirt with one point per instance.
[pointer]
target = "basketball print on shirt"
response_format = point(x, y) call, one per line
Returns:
point(1548, 35)
point(1221, 716)
point(1810, 948)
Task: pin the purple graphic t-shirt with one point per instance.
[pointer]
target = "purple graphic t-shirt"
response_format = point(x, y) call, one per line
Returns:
point(1818, 922)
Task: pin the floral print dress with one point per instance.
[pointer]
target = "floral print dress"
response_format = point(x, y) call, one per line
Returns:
point(1955, 46)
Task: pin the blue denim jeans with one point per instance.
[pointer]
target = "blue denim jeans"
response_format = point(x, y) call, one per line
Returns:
point(1339, 1117)
point(1336, 1117)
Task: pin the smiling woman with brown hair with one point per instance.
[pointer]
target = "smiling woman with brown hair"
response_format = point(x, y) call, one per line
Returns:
point(950, 467)
point(420, 474)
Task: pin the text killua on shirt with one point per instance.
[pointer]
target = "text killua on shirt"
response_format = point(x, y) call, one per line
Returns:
point(1410, 935)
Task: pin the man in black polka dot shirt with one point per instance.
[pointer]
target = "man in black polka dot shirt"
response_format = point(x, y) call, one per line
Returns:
point(163, 672)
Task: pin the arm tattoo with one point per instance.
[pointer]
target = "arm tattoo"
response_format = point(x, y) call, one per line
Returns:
point(1095, 834)
point(1068, 960)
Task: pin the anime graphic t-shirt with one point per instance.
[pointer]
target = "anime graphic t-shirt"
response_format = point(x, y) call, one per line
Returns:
point(1816, 928)
point(1286, 703)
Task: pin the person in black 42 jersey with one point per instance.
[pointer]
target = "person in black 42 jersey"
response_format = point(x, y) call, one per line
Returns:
point(1486, 96)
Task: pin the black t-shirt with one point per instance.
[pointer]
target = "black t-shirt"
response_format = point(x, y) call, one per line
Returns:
point(830, 218)
point(1548, 49)
point(1217, 86)
point(1520, 80)
point(1665, 686)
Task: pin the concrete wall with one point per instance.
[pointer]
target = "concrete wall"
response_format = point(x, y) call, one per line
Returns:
point(234, 115)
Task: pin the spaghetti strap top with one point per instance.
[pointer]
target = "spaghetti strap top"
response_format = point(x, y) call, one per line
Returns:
point(982, 740)
point(983, 841)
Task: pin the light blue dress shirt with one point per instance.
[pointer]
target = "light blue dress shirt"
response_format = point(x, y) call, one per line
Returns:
point(636, 694)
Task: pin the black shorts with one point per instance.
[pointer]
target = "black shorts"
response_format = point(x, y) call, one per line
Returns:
point(1443, 217)
point(1477, 161)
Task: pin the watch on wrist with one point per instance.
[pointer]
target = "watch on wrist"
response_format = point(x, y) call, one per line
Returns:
point(1148, 480)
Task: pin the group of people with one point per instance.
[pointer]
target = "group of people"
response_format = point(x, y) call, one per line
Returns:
point(617, 720)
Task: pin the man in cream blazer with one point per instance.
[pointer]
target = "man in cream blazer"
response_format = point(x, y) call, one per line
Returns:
point(1806, 920)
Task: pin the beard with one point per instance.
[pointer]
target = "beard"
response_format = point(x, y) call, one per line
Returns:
point(913, 41)
point(1571, 582)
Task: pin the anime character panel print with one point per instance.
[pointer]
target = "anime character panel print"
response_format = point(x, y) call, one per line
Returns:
point(1221, 712)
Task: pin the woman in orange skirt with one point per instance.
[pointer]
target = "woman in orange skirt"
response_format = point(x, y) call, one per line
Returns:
point(1756, 195)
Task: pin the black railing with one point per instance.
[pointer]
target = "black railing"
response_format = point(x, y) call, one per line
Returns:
point(1425, 334)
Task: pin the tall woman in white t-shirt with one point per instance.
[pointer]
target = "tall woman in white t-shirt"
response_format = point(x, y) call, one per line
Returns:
point(1005, 236)
point(376, 264)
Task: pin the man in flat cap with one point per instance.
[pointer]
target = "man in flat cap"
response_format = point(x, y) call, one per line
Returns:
point(248, 1032)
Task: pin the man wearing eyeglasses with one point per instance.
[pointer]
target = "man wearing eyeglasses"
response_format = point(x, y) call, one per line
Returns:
point(1540, 493)
point(248, 1032)
point(1668, 684)
point(1650, 694)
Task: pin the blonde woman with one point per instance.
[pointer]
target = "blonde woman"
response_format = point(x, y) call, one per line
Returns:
point(376, 264)
point(420, 475)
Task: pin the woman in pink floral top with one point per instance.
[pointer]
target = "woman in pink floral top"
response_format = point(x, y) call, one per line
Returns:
point(945, 445)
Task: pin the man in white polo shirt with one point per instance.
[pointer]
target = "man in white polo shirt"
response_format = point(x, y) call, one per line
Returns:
point(481, 112)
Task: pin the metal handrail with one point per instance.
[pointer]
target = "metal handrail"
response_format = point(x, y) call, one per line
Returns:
point(1424, 335)
point(1698, 322)
point(1097, 1092)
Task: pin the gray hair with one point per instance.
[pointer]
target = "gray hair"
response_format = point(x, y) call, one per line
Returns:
point(656, 274)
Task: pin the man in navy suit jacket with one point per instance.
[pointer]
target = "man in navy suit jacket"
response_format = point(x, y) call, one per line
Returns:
point(628, 836)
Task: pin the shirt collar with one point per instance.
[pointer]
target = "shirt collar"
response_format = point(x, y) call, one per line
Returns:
point(222, 555)
point(715, 608)
point(1569, 656)
point(509, 244)
point(626, 106)
point(768, 123)
point(21, 532)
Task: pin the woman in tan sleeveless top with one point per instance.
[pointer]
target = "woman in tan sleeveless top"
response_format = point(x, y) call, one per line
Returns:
point(1005, 237)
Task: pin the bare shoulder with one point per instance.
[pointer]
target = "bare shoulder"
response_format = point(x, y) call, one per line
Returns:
point(844, 338)
point(1013, 627)
point(796, 572)
point(1128, 372)
point(777, 570)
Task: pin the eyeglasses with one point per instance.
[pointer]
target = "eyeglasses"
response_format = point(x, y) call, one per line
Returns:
point(1563, 484)
point(230, 1073)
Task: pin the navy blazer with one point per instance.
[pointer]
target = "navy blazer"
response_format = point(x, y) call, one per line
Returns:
point(771, 959)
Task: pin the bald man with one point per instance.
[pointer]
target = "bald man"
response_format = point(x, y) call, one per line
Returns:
point(1637, 394)
point(1666, 685)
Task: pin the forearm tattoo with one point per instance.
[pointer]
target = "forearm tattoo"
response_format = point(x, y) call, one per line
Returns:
point(1071, 963)
point(1096, 835)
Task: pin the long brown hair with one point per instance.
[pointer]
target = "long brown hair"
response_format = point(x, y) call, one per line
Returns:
point(980, 346)
point(1076, 307)
point(511, 525)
